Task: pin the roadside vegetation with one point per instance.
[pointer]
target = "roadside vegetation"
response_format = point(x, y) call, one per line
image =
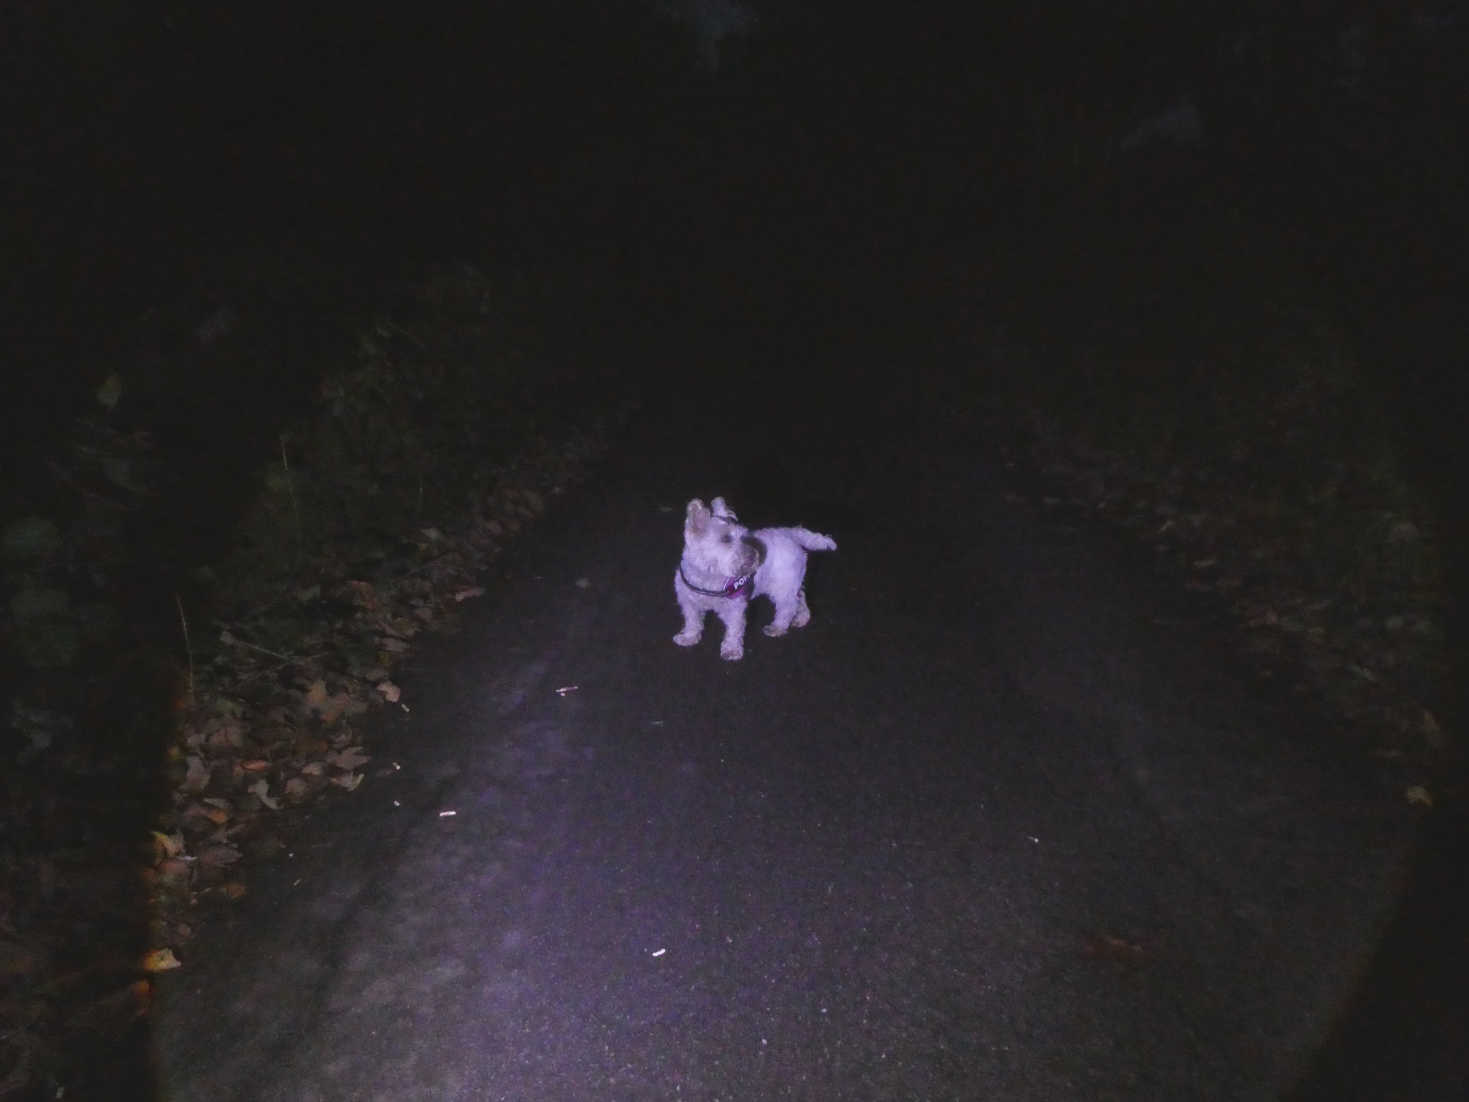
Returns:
point(193, 650)
point(1180, 371)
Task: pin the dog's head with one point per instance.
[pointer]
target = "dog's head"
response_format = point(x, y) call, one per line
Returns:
point(716, 543)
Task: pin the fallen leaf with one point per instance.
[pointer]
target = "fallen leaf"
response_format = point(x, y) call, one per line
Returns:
point(197, 777)
point(173, 869)
point(468, 592)
point(349, 781)
point(389, 691)
point(230, 733)
point(160, 960)
point(166, 845)
point(218, 856)
point(350, 758)
point(363, 595)
point(1419, 796)
point(316, 697)
point(261, 791)
point(216, 815)
point(1432, 733)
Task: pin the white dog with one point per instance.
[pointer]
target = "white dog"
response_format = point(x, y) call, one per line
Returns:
point(724, 565)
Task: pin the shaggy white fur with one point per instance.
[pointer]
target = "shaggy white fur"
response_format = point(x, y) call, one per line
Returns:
point(724, 565)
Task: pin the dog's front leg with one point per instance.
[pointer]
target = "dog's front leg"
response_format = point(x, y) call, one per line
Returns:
point(693, 627)
point(732, 612)
point(693, 617)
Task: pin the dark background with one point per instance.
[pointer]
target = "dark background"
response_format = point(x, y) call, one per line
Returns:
point(152, 139)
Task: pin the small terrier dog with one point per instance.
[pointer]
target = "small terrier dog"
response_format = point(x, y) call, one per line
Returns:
point(724, 565)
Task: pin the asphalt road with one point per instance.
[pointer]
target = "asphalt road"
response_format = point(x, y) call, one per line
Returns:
point(1002, 823)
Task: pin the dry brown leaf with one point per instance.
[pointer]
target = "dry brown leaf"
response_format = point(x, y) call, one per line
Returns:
point(261, 791)
point(197, 777)
point(348, 759)
point(363, 595)
point(255, 765)
point(390, 692)
point(316, 697)
point(218, 856)
point(309, 745)
point(166, 845)
point(173, 869)
point(1432, 732)
point(331, 708)
point(160, 960)
point(216, 815)
point(227, 734)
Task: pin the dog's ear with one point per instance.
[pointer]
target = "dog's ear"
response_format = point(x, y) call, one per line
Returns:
point(720, 509)
point(696, 516)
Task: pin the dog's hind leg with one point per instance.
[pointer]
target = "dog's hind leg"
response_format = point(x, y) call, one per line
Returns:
point(789, 613)
point(803, 611)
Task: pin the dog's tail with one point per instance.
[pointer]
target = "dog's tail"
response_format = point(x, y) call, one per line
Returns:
point(813, 541)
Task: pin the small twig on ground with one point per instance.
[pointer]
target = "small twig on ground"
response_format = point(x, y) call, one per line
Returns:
point(230, 641)
point(188, 646)
point(295, 507)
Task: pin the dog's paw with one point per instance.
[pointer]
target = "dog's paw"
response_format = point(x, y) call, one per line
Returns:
point(732, 653)
point(773, 630)
point(688, 638)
